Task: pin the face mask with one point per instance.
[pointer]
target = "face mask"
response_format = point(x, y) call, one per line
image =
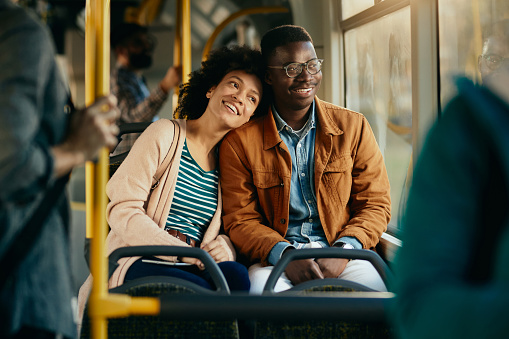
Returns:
point(140, 60)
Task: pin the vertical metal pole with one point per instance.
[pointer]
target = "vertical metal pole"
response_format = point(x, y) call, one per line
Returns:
point(97, 84)
point(186, 40)
point(177, 52)
point(89, 99)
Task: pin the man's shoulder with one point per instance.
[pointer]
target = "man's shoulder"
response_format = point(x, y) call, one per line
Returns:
point(249, 132)
point(24, 25)
point(340, 111)
point(340, 116)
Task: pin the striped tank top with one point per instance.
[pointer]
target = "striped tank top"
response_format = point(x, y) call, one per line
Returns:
point(195, 199)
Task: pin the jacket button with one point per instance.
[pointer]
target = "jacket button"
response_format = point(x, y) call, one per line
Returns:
point(283, 220)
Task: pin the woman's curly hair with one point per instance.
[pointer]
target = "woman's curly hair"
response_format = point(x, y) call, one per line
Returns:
point(192, 96)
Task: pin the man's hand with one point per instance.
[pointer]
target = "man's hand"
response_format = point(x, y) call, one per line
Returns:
point(299, 271)
point(90, 129)
point(331, 267)
point(172, 78)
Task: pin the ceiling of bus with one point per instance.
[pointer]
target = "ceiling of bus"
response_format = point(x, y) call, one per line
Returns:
point(61, 15)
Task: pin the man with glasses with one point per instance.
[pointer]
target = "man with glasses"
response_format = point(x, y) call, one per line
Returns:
point(133, 47)
point(495, 52)
point(307, 175)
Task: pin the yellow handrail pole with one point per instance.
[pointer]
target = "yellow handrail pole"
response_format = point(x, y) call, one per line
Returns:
point(89, 99)
point(177, 59)
point(97, 66)
point(186, 40)
point(97, 23)
point(247, 11)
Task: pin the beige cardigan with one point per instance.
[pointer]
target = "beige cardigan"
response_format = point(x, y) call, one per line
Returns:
point(131, 223)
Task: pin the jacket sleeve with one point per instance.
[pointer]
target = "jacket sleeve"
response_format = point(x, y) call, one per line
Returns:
point(142, 111)
point(243, 221)
point(370, 201)
point(26, 163)
point(129, 189)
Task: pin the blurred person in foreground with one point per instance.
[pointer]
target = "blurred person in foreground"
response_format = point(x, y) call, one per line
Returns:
point(41, 144)
point(452, 277)
point(133, 47)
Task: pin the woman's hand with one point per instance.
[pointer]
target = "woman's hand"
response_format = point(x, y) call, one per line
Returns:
point(193, 261)
point(218, 249)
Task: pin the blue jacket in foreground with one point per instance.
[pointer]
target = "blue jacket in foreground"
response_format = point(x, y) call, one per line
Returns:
point(452, 272)
point(32, 119)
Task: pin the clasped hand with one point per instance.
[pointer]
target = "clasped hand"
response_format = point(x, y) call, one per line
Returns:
point(218, 250)
point(299, 271)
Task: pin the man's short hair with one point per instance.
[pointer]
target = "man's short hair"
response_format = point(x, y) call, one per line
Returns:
point(282, 35)
point(497, 28)
point(121, 33)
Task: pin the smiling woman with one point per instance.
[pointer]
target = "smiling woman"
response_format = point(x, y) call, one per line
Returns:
point(184, 209)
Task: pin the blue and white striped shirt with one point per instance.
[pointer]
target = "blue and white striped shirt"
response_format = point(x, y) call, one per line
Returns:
point(195, 199)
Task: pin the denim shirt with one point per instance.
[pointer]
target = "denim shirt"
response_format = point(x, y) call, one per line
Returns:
point(304, 224)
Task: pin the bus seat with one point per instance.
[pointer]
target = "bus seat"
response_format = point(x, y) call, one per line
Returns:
point(135, 127)
point(325, 329)
point(155, 286)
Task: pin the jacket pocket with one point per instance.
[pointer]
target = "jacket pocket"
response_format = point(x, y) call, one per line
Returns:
point(337, 179)
point(269, 187)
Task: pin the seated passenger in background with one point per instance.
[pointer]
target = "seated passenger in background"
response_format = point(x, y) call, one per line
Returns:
point(133, 47)
point(452, 276)
point(307, 175)
point(185, 207)
point(495, 51)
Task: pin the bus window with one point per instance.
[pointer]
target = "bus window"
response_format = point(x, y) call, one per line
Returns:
point(463, 25)
point(378, 85)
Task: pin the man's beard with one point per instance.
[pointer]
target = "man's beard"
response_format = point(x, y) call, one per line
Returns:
point(140, 60)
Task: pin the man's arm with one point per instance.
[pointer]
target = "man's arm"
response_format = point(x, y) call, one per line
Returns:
point(148, 108)
point(370, 201)
point(132, 111)
point(31, 93)
point(243, 220)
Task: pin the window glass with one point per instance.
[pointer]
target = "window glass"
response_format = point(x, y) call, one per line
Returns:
point(378, 85)
point(351, 7)
point(463, 28)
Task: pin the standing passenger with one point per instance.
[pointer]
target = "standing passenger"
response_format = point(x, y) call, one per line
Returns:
point(133, 47)
point(452, 276)
point(40, 145)
point(307, 175)
point(185, 208)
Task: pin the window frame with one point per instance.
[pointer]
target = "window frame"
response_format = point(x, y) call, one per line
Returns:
point(425, 67)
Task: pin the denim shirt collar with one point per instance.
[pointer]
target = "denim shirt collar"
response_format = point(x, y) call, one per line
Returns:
point(281, 124)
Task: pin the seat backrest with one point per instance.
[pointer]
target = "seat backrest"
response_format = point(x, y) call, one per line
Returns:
point(156, 286)
point(325, 329)
point(136, 127)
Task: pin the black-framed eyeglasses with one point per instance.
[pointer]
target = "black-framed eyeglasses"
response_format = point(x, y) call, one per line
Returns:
point(494, 61)
point(294, 69)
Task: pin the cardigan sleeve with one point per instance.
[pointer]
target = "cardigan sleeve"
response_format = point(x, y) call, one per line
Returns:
point(130, 187)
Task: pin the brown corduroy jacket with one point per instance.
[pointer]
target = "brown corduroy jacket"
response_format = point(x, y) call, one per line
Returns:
point(351, 183)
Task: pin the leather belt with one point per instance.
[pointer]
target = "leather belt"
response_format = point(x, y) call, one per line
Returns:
point(181, 236)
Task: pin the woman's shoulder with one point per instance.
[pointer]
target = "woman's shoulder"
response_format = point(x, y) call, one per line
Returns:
point(165, 127)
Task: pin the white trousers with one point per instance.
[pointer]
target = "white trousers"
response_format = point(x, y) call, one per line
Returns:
point(359, 271)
